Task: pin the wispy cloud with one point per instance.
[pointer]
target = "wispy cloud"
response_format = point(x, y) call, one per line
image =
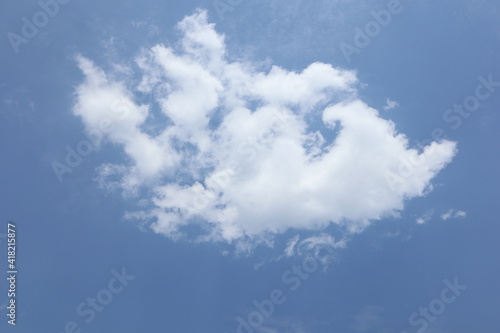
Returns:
point(390, 104)
point(368, 319)
point(290, 246)
point(453, 214)
point(450, 214)
point(425, 217)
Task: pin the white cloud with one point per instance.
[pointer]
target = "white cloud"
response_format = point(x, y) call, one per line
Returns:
point(313, 246)
point(447, 215)
point(453, 214)
point(450, 214)
point(390, 104)
point(317, 245)
point(322, 240)
point(425, 217)
point(421, 220)
point(108, 108)
point(290, 246)
point(240, 153)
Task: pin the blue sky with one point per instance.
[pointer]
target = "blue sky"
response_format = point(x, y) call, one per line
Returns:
point(251, 166)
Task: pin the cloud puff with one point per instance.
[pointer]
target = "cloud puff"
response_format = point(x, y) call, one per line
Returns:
point(425, 217)
point(228, 151)
point(390, 104)
point(453, 214)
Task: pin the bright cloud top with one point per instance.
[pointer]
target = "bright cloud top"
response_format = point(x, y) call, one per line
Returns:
point(228, 151)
